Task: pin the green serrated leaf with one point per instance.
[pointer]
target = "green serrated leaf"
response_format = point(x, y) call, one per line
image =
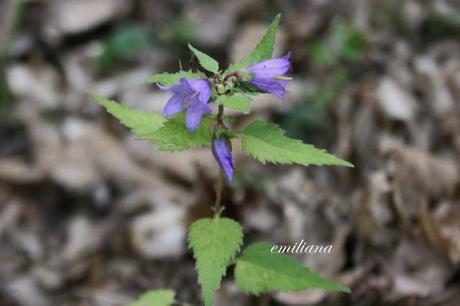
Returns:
point(236, 101)
point(174, 136)
point(162, 297)
point(262, 51)
point(259, 270)
point(215, 243)
point(168, 79)
point(266, 142)
point(205, 60)
point(141, 123)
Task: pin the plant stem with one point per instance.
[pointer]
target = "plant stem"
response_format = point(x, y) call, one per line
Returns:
point(220, 115)
point(220, 190)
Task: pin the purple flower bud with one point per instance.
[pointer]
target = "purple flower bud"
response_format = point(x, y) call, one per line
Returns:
point(223, 155)
point(270, 75)
point(191, 96)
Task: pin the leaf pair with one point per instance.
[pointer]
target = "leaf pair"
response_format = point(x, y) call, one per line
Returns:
point(262, 51)
point(264, 141)
point(215, 243)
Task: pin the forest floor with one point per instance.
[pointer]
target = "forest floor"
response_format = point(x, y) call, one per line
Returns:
point(91, 216)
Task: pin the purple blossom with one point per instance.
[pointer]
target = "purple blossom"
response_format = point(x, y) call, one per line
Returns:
point(223, 155)
point(270, 75)
point(191, 96)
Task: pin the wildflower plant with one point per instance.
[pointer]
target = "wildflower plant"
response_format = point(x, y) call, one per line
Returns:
point(188, 122)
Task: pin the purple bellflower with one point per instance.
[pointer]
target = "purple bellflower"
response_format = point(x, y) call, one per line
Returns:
point(270, 75)
point(223, 155)
point(191, 96)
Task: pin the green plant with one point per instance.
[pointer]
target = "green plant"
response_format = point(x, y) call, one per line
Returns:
point(188, 122)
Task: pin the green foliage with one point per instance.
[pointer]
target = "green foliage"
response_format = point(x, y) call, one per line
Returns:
point(260, 271)
point(342, 42)
point(168, 79)
point(262, 51)
point(215, 243)
point(266, 142)
point(142, 124)
point(321, 54)
point(205, 60)
point(170, 134)
point(237, 101)
point(348, 41)
point(161, 297)
point(181, 31)
point(124, 44)
point(174, 136)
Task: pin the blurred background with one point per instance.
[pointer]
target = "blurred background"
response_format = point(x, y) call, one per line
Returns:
point(91, 216)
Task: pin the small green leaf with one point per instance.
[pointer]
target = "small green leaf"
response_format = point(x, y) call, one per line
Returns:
point(215, 243)
point(262, 51)
point(174, 136)
point(168, 79)
point(205, 60)
point(236, 101)
point(161, 297)
point(259, 270)
point(266, 142)
point(141, 123)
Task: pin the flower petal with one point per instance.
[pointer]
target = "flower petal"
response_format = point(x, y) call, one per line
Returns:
point(182, 88)
point(194, 114)
point(223, 155)
point(206, 109)
point(173, 106)
point(202, 87)
point(274, 87)
point(272, 67)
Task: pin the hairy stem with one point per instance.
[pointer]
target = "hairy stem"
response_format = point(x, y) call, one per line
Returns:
point(220, 115)
point(220, 189)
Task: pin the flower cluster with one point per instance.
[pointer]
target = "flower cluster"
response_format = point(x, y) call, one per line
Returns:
point(193, 95)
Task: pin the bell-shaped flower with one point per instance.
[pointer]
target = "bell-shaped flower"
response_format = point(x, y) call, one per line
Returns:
point(223, 155)
point(191, 96)
point(270, 75)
